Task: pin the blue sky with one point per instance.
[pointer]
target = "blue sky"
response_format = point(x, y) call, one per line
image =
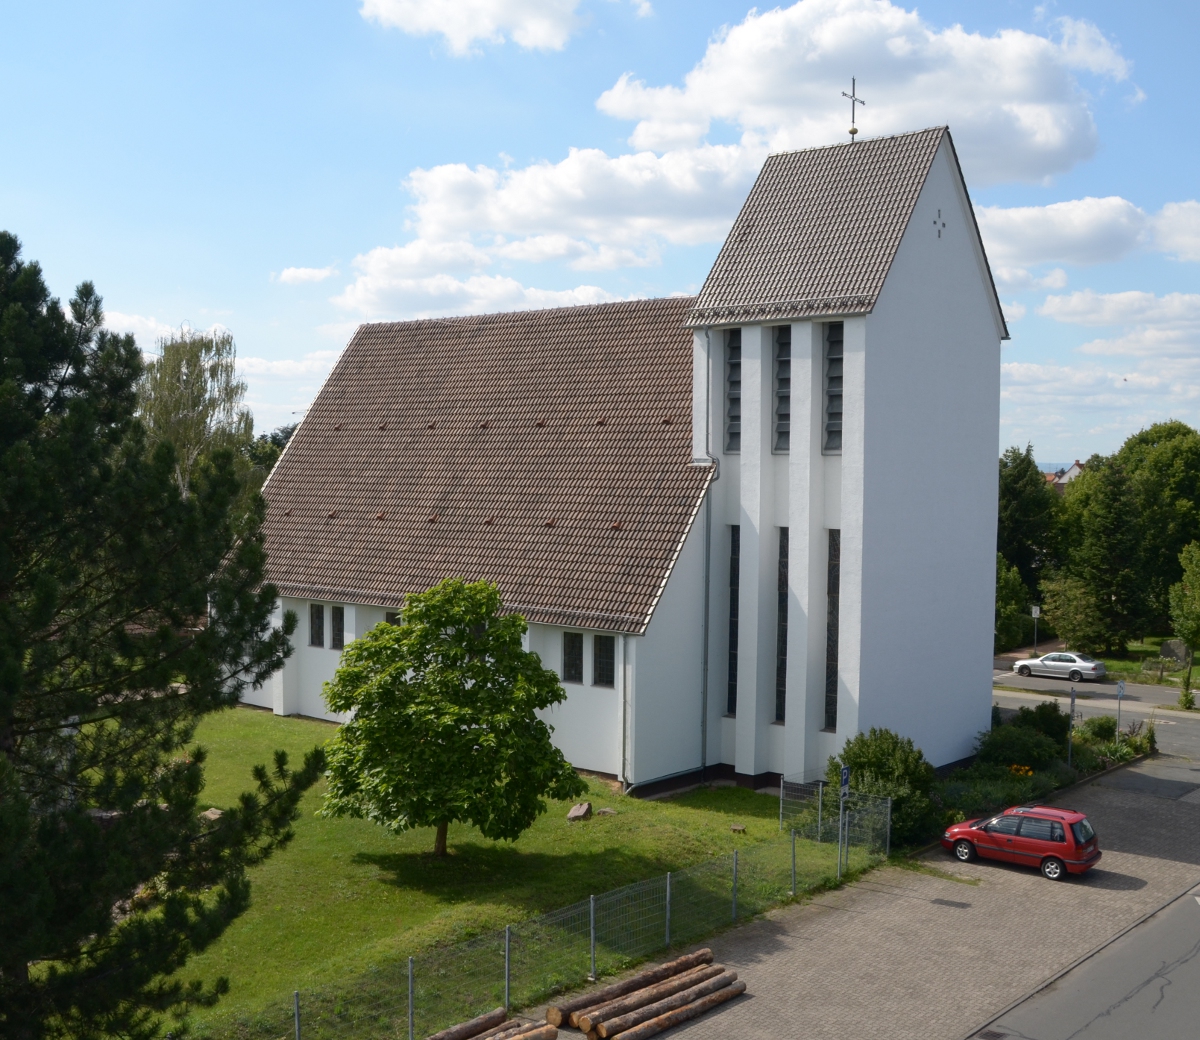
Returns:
point(290, 170)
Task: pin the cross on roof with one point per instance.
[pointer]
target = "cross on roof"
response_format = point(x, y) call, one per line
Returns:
point(854, 100)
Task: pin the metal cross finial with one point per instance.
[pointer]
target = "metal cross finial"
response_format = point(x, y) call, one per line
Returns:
point(854, 100)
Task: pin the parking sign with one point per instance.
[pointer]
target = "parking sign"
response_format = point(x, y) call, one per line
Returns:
point(845, 781)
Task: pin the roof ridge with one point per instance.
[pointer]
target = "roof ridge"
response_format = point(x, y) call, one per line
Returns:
point(943, 128)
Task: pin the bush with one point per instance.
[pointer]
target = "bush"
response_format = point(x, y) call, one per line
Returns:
point(884, 763)
point(1017, 745)
point(1048, 719)
point(1099, 728)
point(983, 788)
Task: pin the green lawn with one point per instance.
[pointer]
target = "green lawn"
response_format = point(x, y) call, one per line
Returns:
point(347, 896)
point(1130, 667)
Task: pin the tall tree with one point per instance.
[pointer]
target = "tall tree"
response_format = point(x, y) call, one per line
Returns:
point(1027, 528)
point(1185, 606)
point(191, 398)
point(1012, 606)
point(127, 612)
point(444, 724)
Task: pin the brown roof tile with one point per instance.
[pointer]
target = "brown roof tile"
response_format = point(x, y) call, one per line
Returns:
point(529, 449)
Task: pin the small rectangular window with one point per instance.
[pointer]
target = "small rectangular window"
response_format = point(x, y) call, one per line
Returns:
point(392, 617)
point(337, 629)
point(604, 660)
point(735, 540)
point(781, 622)
point(833, 388)
point(572, 657)
point(783, 388)
point(733, 391)
point(316, 624)
point(833, 584)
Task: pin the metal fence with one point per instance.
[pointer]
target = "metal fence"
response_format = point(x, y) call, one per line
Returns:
point(530, 961)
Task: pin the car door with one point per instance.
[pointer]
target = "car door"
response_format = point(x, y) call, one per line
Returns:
point(1038, 838)
point(1043, 665)
point(1057, 665)
point(995, 841)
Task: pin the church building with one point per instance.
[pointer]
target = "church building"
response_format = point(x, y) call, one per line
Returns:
point(743, 526)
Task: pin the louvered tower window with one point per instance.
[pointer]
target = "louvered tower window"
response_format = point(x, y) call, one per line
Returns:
point(735, 552)
point(733, 391)
point(833, 388)
point(783, 388)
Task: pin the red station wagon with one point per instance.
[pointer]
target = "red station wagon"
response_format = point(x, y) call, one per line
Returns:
point(1058, 841)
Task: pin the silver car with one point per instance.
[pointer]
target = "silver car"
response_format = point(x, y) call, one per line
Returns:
point(1062, 665)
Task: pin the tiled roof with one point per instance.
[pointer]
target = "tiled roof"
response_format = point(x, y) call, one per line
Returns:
point(818, 232)
point(548, 451)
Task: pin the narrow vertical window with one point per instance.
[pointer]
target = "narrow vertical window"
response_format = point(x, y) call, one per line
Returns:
point(604, 660)
point(833, 583)
point(316, 624)
point(783, 388)
point(733, 391)
point(337, 628)
point(735, 539)
point(833, 387)
point(781, 628)
point(572, 657)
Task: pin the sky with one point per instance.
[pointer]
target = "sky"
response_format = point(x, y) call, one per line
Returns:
point(288, 171)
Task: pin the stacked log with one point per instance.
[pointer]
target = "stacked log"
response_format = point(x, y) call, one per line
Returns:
point(495, 1025)
point(652, 1000)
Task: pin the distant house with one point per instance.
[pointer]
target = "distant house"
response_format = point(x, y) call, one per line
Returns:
point(706, 507)
point(1060, 478)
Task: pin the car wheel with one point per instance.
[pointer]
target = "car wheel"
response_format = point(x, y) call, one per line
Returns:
point(1023, 671)
point(1054, 869)
point(964, 851)
point(1076, 675)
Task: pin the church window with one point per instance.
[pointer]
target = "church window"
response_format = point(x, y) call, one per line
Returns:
point(733, 391)
point(783, 387)
point(735, 539)
point(781, 619)
point(833, 583)
point(337, 628)
point(316, 624)
point(604, 660)
point(572, 657)
point(833, 387)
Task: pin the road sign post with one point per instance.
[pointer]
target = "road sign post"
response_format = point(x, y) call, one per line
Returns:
point(843, 836)
point(1120, 697)
point(1037, 613)
point(1071, 728)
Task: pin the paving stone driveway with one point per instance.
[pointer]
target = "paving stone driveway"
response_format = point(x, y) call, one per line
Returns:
point(906, 955)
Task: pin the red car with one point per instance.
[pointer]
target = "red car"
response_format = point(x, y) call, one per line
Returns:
point(1058, 841)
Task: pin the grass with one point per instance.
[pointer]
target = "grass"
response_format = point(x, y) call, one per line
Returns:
point(347, 896)
point(1130, 666)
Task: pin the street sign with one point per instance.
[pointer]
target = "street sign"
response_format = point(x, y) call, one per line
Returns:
point(845, 781)
point(1072, 702)
point(1037, 611)
point(1120, 688)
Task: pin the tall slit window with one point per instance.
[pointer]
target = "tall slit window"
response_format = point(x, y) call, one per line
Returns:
point(735, 539)
point(337, 628)
point(572, 657)
point(733, 391)
point(833, 585)
point(833, 387)
point(316, 624)
point(781, 622)
point(783, 388)
point(604, 660)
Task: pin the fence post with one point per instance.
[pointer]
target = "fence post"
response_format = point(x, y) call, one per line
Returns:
point(507, 966)
point(735, 884)
point(781, 801)
point(668, 909)
point(411, 1032)
point(793, 861)
point(820, 800)
point(592, 929)
point(296, 1011)
point(887, 848)
point(841, 810)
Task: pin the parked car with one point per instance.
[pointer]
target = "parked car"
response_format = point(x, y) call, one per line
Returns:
point(1062, 665)
point(1058, 841)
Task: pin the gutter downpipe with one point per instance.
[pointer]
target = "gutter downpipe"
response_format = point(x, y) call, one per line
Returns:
point(624, 715)
point(707, 548)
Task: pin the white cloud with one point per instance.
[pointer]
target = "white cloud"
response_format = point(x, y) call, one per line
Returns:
point(1014, 311)
point(642, 8)
point(1018, 278)
point(533, 24)
point(147, 331)
point(1177, 229)
point(303, 275)
point(316, 363)
point(1010, 98)
point(1124, 308)
point(1081, 231)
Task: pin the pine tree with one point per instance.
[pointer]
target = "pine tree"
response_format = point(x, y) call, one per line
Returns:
point(128, 611)
point(1027, 528)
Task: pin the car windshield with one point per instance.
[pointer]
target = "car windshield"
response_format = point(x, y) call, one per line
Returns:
point(1084, 657)
point(1083, 831)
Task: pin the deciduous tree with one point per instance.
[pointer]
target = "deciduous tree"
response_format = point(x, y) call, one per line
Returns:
point(1185, 605)
point(445, 726)
point(1027, 528)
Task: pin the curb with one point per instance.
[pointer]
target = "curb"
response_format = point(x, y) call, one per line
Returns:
point(1075, 964)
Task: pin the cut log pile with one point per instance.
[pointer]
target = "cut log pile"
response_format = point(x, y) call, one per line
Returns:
point(649, 1002)
point(496, 1025)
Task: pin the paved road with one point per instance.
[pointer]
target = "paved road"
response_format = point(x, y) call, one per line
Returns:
point(1145, 985)
point(1136, 693)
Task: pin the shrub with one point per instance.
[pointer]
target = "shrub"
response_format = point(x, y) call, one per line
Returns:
point(1099, 728)
point(982, 788)
point(997, 720)
point(1187, 700)
point(884, 763)
point(1048, 719)
point(1016, 745)
point(1115, 751)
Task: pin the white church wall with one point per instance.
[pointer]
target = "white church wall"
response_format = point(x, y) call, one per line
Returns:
point(667, 669)
point(929, 483)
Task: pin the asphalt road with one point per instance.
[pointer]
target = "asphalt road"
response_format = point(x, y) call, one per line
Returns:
point(1105, 690)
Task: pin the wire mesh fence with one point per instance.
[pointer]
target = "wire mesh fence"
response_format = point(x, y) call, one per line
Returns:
point(530, 961)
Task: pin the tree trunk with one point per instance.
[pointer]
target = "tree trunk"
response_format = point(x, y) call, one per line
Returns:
point(439, 841)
